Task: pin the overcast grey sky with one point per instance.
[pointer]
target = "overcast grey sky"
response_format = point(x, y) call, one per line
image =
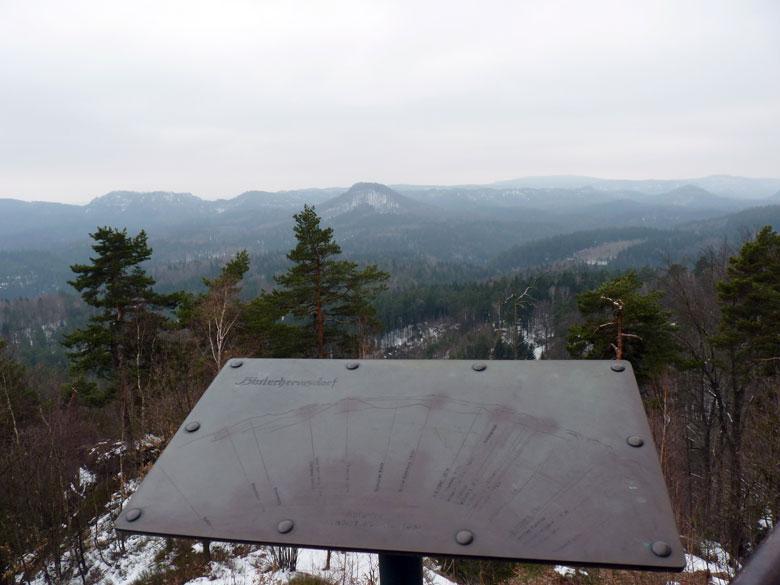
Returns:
point(221, 97)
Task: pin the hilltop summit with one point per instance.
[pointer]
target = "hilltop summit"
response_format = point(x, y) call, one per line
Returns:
point(371, 198)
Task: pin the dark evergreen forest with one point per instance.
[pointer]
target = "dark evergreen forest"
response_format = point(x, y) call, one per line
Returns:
point(100, 377)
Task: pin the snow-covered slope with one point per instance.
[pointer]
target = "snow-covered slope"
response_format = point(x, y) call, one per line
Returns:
point(133, 560)
point(156, 204)
point(722, 185)
point(372, 198)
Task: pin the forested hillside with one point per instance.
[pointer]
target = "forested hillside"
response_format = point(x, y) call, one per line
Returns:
point(96, 380)
point(473, 293)
point(439, 231)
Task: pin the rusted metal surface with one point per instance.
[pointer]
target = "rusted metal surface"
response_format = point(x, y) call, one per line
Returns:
point(548, 461)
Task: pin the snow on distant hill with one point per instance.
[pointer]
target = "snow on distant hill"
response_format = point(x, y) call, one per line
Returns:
point(722, 185)
point(373, 198)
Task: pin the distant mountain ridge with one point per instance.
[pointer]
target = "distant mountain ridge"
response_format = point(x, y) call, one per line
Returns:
point(135, 208)
point(558, 209)
point(467, 227)
point(722, 185)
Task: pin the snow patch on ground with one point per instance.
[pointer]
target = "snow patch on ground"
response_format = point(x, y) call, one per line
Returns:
point(355, 568)
point(717, 561)
point(767, 520)
point(411, 337)
point(565, 571)
point(106, 450)
point(86, 478)
point(237, 570)
point(112, 562)
point(569, 572)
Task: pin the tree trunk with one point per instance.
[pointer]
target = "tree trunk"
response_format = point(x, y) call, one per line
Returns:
point(4, 382)
point(206, 550)
point(737, 529)
point(319, 325)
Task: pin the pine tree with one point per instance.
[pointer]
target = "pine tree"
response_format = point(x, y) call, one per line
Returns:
point(621, 322)
point(264, 332)
point(748, 338)
point(356, 314)
point(750, 301)
point(331, 296)
point(111, 354)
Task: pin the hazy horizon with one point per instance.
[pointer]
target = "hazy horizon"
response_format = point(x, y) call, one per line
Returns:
point(214, 98)
point(86, 200)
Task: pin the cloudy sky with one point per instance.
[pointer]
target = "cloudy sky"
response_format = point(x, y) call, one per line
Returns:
point(217, 98)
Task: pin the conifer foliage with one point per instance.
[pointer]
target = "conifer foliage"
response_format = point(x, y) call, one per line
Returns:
point(622, 322)
point(750, 300)
point(331, 296)
point(112, 355)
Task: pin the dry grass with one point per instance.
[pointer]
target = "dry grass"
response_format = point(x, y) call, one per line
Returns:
point(542, 575)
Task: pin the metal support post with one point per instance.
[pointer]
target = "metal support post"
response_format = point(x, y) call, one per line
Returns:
point(400, 570)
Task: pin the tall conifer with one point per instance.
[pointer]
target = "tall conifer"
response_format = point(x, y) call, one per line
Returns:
point(110, 355)
point(332, 296)
point(622, 322)
point(750, 301)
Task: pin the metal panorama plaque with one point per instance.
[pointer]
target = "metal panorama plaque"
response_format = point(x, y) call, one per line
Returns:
point(520, 460)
